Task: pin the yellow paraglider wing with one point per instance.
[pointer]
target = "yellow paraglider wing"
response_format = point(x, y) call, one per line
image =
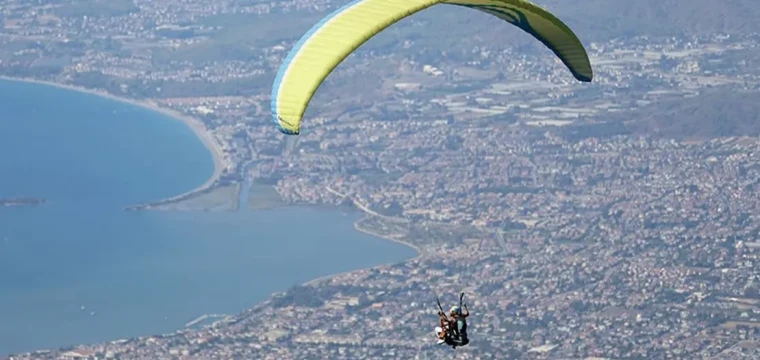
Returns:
point(544, 26)
point(331, 40)
point(323, 47)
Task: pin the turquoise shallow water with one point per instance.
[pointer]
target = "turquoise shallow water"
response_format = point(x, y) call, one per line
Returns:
point(136, 273)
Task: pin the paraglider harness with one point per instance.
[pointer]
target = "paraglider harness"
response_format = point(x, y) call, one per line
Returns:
point(454, 330)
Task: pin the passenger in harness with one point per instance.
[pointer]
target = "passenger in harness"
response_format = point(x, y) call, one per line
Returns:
point(453, 329)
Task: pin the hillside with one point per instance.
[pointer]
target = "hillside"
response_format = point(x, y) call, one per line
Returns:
point(599, 20)
point(602, 19)
point(710, 114)
point(451, 28)
point(455, 31)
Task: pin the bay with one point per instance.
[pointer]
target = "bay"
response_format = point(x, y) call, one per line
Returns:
point(79, 269)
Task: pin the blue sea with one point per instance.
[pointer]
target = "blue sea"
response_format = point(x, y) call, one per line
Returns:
point(79, 269)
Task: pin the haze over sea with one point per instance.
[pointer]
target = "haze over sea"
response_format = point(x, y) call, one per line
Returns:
point(136, 273)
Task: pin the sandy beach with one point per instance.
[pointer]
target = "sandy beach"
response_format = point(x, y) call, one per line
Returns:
point(195, 124)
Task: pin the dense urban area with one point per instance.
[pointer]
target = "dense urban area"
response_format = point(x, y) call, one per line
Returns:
point(616, 219)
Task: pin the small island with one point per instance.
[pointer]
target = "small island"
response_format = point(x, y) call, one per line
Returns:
point(21, 201)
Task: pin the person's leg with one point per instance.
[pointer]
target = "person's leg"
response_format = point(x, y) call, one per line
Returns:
point(439, 333)
point(444, 325)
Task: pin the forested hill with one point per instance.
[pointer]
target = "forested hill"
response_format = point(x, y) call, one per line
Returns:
point(602, 19)
point(710, 114)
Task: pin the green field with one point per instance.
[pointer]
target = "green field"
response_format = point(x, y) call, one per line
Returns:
point(264, 197)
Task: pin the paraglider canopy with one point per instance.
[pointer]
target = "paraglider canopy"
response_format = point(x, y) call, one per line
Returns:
point(334, 37)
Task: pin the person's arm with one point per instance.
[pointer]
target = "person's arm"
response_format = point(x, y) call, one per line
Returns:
point(466, 312)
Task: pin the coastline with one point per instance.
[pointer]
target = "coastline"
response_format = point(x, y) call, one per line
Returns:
point(420, 253)
point(206, 137)
point(367, 213)
point(208, 140)
point(196, 125)
point(357, 227)
point(222, 318)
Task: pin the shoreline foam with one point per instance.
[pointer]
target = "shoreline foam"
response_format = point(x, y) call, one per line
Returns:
point(196, 125)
